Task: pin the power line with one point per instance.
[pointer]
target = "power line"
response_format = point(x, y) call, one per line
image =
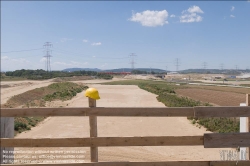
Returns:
point(23, 50)
point(81, 55)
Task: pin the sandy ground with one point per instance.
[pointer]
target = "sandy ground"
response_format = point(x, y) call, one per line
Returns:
point(18, 87)
point(11, 88)
point(114, 96)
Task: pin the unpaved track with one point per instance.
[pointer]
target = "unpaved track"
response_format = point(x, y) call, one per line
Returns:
point(122, 96)
point(18, 87)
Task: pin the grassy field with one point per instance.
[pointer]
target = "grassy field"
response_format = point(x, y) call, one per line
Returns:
point(38, 97)
point(247, 85)
point(167, 94)
point(12, 78)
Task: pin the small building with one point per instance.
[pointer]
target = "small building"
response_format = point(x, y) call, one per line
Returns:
point(232, 77)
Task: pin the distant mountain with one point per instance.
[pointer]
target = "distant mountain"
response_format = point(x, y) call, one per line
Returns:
point(79, 69)
point(113, 70)
point(141, 69)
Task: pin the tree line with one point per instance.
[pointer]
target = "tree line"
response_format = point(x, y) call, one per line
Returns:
point(40, 74)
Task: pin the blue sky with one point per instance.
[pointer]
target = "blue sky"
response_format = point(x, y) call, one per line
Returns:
point(103, 34)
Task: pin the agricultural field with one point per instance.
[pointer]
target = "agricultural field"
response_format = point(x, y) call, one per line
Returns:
point(215, 97)
point(219, 88)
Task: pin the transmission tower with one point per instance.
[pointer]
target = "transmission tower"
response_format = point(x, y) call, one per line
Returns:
point(177, 61)
point(132, 61)
point(221, 66)
point(236, 67)
point(47, 48)
point(204, 65)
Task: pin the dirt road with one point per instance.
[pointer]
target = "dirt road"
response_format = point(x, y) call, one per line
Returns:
point(18, 87)
point(117, 96)
point(11, 88)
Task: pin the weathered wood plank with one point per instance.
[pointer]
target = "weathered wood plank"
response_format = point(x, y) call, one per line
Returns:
point(93, 132)
point(222, 111)
point(163, 163)
point(104, 141)
point(248, 123)
point(166, 163)
point(226, 140)
point(7, 131)
point(229, 163)
point(98, 111)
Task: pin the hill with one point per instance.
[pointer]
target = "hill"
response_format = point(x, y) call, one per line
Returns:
point(80, 69)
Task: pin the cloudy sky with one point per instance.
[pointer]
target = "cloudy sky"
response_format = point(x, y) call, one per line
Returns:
point(104, 34)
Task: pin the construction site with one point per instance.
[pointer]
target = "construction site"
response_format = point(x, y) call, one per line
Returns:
point(125, 83)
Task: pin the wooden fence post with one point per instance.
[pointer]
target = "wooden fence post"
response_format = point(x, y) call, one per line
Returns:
point(248, 123)
point(93, 132)
point(7, 131)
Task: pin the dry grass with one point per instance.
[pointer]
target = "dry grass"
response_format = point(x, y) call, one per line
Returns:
point(213, 96)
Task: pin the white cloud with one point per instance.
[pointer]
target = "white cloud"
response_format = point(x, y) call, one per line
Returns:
point(65, 40)
point(191, 15)
point(96, 44)
point(94, 56)
point(105, 64)
point(150, 18)
point(232, 16)
point(19, 60)
point(85, 41)
point(232, 9)
point(4, 58)
point(62, 63)
point(43, 59)
point(172, 15)
point(195, 9)
point(9, 63)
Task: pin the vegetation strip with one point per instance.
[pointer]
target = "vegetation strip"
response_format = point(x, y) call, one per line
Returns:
point(37, 98)
point(40, 74)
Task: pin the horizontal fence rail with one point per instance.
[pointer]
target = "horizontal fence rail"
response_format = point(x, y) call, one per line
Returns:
point(224, 140)
point(163, 163)
point(222, 111)
point(211, 140)
point(104, 141)
point(140, 112)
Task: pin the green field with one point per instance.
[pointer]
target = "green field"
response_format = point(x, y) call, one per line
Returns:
point(12, 78)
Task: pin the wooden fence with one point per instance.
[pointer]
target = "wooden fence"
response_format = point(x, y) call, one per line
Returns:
point(208, 140)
